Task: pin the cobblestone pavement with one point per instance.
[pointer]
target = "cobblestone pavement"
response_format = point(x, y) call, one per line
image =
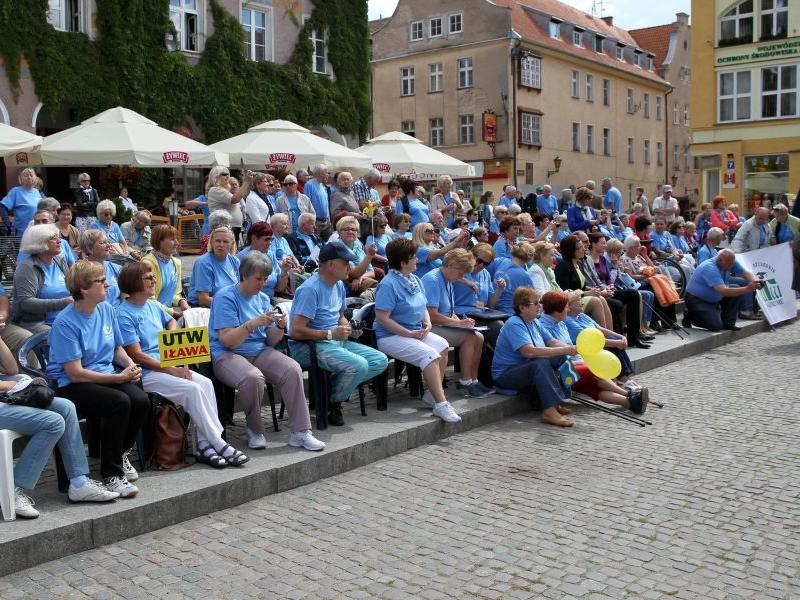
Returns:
point(703, 504)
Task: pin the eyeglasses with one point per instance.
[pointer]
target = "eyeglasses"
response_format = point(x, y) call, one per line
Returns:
point(350, 229)
point(532, 304)
point(290, 183)
point(429, 231)
point(100, 280)
point(225, 174)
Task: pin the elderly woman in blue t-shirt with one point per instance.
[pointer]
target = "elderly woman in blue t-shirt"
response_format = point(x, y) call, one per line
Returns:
point(214, 270)
point(403, 326)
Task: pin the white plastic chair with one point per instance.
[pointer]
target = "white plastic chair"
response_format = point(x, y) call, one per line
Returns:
point(7, 438)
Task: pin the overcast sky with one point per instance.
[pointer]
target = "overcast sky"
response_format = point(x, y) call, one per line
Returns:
point(628, 14)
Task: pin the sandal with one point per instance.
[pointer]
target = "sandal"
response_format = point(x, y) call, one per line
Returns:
point(236, 458)
point(209, 456)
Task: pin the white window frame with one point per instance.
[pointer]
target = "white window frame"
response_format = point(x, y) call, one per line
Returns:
point(686, 115)
point(407, 81)
point(57, 15)
point(606, 92)
point(631, 150)
point(646, 105)
point(660, 154)
point(780, 91)
point(450, 29)
point(659, 109)
point(431, 23)
point(676, 157)
point(435, 78)
point(554, 28)
point(465, 73)
point(413, 27)
point(646, 148)
point(774, 13)
point(576, 137)
point(436, 132)
point(575, 84)
point(184, 16)
point(315, 40)
point(676, 113)
point(620, 53)
point(589, 88)
point(408, 127)
point(269, 41)
point(735, 96)
point(590, 139)
point(530, 132)
point(530, 72)
point(630, 105)
point(636, 58)
point(577, 37)
point(737, 17)
point(606, 141)
point(466, 129)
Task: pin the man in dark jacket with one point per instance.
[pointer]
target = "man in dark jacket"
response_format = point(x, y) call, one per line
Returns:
point(305, 244)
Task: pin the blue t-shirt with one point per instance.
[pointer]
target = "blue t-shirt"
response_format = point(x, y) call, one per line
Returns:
point(515, 334)
point(112, 272)
point(679, 242)
point(204, 210)
point(23, 202)
point(358, 250)
point(272, 280)
point(706, 276)
point(439, 292)
point(91, 338)
point(169, 281)
point(424, 264)
point(546, 205)
point(506, 201)
point(231, 308)
point(67, 253)
point(318, 194)
point(501, 248)
point(704, 253)
point(577, 324)
point(515, 276)
point(407, 235)
point(613, 200)
point(112, 231)
point(466, 300)
point(320, 302)
point(555, 329)
point(53, 287)
point(403, 298)
point(141, 324)
point(294, 211)
point(380, 242)
point(418, 211)
point(661, 241)
point(279, 247)
point(210, 275)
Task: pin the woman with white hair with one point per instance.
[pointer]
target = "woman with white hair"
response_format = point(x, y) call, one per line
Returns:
point(447, 201)
point(217, 219)
point(106, 210)
point(293, 203)
point(214, 270)
point(40, 291)
point(23, 200)
point(218, 192)
point(137, 233)
point(86, 201)
point(95, 248)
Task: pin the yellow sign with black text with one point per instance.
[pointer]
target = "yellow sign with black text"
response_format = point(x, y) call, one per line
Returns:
point(187, 346)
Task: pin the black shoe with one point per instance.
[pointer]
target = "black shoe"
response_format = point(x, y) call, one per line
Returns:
point(686, 321)
point(646, 338)
point(636, 402)
point(731, 327)
point(641, 344)
point(335, 415)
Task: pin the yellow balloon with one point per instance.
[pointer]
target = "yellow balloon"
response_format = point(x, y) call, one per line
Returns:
point(590, 341)
point(603, 364)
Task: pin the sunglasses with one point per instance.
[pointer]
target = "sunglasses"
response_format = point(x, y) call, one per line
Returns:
point(226, 174)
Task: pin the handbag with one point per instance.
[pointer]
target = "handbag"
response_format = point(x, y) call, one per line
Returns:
point(169, 438)
point(36, 394)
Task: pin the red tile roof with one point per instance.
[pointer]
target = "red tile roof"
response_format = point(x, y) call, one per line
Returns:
point(524, 24)
point(655, 39)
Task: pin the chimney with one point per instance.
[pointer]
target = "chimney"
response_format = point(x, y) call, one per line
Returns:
point(682, 18)
point(608, 21)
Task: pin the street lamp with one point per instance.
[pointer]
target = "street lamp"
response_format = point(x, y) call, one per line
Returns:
point(674, 179)
point(557, 164)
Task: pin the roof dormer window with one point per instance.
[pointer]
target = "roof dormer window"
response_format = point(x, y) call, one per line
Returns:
point(598, 44)
point(621, 52)
point(577, 37)
point(555, 29)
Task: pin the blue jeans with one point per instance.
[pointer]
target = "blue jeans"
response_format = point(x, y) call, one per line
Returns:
point(746, 301)
point(647, 308)
point(350, 362)
point(46, 427)
point(710, 315)
point(538, 373)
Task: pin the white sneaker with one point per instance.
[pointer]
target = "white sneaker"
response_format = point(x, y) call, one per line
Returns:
point(256, 441)
point(427, 399)
point(130, 473)
point(305, 439)
point(91, 491)
point(444, 410)
point(23, 505)
point(121, 486)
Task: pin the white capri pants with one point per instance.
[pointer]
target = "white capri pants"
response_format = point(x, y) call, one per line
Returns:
point(196, 396)
point(419, 353)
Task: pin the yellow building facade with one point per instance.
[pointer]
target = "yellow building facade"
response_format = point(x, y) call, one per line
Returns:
point(746, 100)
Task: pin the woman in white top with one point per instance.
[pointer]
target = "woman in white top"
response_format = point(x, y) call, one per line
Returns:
point(446, 201)
point(218, 192)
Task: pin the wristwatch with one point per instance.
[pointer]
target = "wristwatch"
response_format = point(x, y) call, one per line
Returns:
point(329, 334)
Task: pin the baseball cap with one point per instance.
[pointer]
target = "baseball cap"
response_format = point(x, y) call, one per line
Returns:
point(666, 188)
point(334, 250)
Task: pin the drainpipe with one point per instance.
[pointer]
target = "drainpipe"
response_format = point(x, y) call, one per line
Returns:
point(667, 151)
point(512, 120)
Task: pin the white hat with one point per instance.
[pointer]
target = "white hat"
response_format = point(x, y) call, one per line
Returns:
point(666, 188)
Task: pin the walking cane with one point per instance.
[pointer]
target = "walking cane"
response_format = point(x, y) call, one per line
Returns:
point(639, 421)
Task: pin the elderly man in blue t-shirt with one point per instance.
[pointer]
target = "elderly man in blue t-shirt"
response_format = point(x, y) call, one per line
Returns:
point(317, 314)
point(711, 302)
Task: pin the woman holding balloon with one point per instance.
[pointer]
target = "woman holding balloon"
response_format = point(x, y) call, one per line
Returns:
point(599, 366)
